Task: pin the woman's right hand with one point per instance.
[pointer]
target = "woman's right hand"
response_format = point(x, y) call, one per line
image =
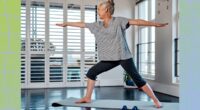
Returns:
point(61, 24)
point(73, 24)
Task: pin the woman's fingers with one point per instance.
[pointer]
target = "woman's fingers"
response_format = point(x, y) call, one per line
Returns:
point(58, 24)
point(165, 24)
point(161, 24)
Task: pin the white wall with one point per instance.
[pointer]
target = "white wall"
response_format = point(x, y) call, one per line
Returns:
point(115, 76)
point(164, 49)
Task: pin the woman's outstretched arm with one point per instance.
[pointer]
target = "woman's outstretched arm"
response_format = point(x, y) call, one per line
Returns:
point(140, 22)
point(74, 24)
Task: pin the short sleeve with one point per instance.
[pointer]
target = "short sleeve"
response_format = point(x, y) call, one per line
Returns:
point(93, 27)
point(124, 22)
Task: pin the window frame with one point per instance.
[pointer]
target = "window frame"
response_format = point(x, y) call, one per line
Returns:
point(149, 52)
point(176, 39)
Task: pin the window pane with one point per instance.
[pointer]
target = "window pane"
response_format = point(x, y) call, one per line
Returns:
point(37, 19)
point(23, 67)
point(73, 71)
point(153, 9)
point(90, 16)
point(23, 27)
point(143, 57)
point(143, 68)
point(55, 32)
point(143, 35)
point(152, 47)
point(153, 36)
point(143, 48)
point(74, 33)
point(152, 59)
point(56, 67)
point(152, 69)
point(37, 68)
point(143, 10)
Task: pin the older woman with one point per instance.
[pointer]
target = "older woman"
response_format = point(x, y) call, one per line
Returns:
point(112, 47)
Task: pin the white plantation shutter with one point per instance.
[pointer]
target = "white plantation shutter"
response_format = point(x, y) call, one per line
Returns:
point(37, 68)
point(37, 18)
point(90, 44)
point(73, 73)
point(55, 43)
point(74, 39)
point(23, 68)
point(48, 58)
point(37, 42)
point(90, 16)
point(55, 32)
point(74, 33)
point(23, 27)
point(23, 42)
point(56, 67)
point(73, 44)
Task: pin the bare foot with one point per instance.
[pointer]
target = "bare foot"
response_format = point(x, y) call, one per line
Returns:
point(157, 104)
point(84, 100)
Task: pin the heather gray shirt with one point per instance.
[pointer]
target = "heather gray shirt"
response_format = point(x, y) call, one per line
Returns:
point(111, 41)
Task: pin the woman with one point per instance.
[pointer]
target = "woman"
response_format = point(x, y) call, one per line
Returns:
point(112, 47)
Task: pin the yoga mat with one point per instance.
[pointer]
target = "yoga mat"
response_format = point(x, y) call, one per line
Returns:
point(116, 104)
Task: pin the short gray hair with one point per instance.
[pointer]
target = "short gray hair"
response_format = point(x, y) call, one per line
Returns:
point(110, 5)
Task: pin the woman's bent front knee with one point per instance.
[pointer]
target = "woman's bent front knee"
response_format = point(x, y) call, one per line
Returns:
point(91, 75)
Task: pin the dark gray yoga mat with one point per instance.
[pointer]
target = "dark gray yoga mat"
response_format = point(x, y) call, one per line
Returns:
point(116, 104)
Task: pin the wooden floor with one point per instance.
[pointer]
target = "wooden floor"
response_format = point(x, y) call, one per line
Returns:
point(41, 99)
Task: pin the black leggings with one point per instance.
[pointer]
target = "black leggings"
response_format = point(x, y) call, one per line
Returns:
point(127, 64)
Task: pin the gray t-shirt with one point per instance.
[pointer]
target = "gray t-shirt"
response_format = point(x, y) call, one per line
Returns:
point(111, 41)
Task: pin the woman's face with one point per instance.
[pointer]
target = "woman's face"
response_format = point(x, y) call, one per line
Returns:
point(102, 11)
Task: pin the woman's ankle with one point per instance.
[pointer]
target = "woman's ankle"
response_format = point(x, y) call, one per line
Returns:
point(156, 100)
point(87, 97)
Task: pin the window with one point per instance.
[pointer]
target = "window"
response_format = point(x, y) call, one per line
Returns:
point(146, 39)
point(37, 42)
point(90, 16)
point(51, 55)
point(176, 55)
point(55, 32)
point(55, 43)
point(176, 44)
point(37, 29)
point(37, 68)
point(74, 44)
point(23, 42)
point(74, 33)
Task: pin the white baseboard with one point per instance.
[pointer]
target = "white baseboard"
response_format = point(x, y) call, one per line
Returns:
point(111, 82)
point(172, 89)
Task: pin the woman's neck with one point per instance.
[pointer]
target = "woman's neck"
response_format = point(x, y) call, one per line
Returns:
point(106, 21)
